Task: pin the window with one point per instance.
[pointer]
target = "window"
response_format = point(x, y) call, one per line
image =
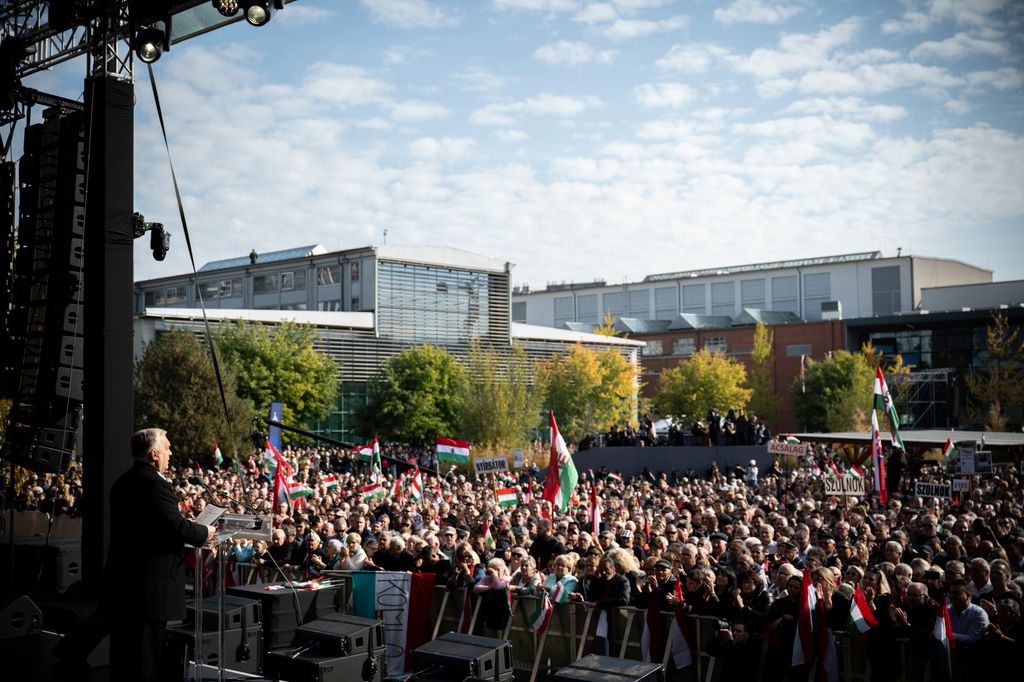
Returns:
point(640, 303)
point(355, 304)
point(752, 293)
point(355, 271)
point(209, 291)
point(615, 303)
point(716, 344)
point(653, 347)
point(817, 290)
point(563, 310)
point(287, 281)
point(666, 303)
point(723, 298)
point(784, 294)
point(795, 350)
point(327, 275)
point(166, 296)
point(300, 280)
point(519, 311)
point(230, 287)
point(682, 346)
point(586, 309)
point(328, 306)
point(266, 284)
point(886, 296)
point(694, 299)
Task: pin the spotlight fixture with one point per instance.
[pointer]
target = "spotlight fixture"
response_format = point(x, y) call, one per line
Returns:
point(159, 238)
point(259, 12)
point(149, 44)
point(227, 8)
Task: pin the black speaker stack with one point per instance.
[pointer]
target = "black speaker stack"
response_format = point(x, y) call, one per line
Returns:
point(334, 648)
point(243, 636)
point(456, 657)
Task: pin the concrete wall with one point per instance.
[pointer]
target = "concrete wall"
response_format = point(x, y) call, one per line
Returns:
point(987, 295)
point(631, 461)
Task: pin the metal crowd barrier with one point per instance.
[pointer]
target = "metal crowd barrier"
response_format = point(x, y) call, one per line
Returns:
point(571, 635)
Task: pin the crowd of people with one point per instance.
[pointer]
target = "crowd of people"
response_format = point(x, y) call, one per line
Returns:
point(735, 427)
point(737, 544)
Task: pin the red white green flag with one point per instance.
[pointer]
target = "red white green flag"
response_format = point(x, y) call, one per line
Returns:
point(297, 490)
point(541, 617)
point(878, 460)
point(330, 480)
point(452, 450)
point(562, 476)
point(883, 401)
point(949, 451)
point(861, 618)
point(218, 458)
point(373, 491)
point(415, 485)
point(506, 497)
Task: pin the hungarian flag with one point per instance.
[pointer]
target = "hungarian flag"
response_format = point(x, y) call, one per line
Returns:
point(614, 476)
point(878, 460)
point(883, 401)
point(452, 450)
point(281, 488)
point(402, 601)
point(541, 617)
point(297, 490)
point(949, 451)
point(595, 510)
point(506, 497)
point(562, 476)
point(366, 452)
point(791, 439)
point(856, 472)
point(330, 480)
point(218, 458)
point(376, 474)
point(273, 457)
point(560, 595)
point(373, 491)
point(861, 619)
point(416, 485)
point(652, 640)
point(488, 536)
point(943, 633)
point(396, 486)
point(803, 643)
point(832, 469)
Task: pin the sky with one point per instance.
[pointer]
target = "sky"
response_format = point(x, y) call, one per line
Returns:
point(593, 140)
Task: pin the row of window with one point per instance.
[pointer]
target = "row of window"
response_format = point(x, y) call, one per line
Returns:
point(273, 282)
point(686, 346)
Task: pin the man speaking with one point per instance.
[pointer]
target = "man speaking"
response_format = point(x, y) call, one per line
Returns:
point(145, 573)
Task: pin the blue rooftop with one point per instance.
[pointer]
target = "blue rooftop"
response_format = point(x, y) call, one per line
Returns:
point(261, 258)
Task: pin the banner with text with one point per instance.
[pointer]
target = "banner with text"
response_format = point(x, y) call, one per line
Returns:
point(845, 485)
point(926, 489)
point(490, 465)
point(777, 448)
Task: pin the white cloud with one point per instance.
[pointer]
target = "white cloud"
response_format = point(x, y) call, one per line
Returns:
point(573, 53)
point(408, 14)
point(558, 106)
point(798, 51)
point(597, 13)
point(691, 58)
point(921, 15)
point(670, 95)
point(847, 107)
point(479, 79)
point(626, 29)
point(445, 149)
point(999, 79)
point(412, 111)
point(510, 135)
point(820, 130)
point(757, 12)
point(958, 107)
point(345, 85)
point(550, 6)
point(960, 45)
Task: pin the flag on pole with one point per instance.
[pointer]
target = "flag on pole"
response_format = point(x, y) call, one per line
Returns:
point(416, 485)
point(791, 439)
point(541, 617)
point(856, 472)
point(330, 480)
point(803, 643)
point(396, 486)
point(218, 458)
point(949, 451)
point(883, 401)
point(878, 460)
point(614, 476)
point(562, 475)
point(595, 510)
point(943, 633)
point(506, 497)
point(452, 450)
point(298, 490)
point(861, 619)
point(373, 491)
point(365, 452)
point(281, 488)
point(833, 470)
point(376, 474)
point(488, 536)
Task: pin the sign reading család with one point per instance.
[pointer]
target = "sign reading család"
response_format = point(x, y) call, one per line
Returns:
point(925, 489)
point(845, 485)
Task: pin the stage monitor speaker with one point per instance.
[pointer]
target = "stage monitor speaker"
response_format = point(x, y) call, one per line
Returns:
point(594, 668)
point(296, 665)
point(243, 649)
point(460, 656)
point(338, 634)
point(239, 612)
point(19, 618)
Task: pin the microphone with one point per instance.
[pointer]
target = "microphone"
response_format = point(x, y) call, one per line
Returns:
point(195, 480)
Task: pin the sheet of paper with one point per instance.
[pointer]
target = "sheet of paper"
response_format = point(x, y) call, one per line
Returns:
point(210, 514)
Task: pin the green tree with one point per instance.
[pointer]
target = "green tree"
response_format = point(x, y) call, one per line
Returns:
point(417, 396)
point(705, 381)
point(280, 363)
point(588, 390)
point(998, 385)
point(839, 393)
point(501, 406)
point(176, 389)
point(764, 402)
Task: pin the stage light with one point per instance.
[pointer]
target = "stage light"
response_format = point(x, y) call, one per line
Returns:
point(227, 8)
point(259, 12)
point(149, 44)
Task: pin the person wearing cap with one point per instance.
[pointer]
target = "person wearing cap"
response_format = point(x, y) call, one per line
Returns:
point(719, 545)
point(626, 541)
point(656, 587)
